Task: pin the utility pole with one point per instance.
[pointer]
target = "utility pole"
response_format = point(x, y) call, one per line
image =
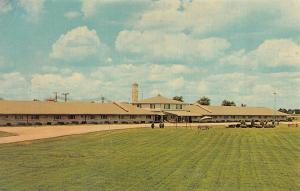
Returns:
point(55, 96)
point(66, 96)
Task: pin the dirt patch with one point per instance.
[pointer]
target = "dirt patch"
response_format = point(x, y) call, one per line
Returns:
point(6, 134)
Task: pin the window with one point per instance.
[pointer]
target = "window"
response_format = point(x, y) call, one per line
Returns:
point(148, 117)
point(139, 105)
point(103, 116)
point(226, 117)
point(178, 106)
point(92, 117)
point(233, 117)
point(57, 117)
point(167, 106)
point(71, 116)
point(121, 116)
point(132, 116)
point(19, 117)
point(35, 117)
point(152, 106)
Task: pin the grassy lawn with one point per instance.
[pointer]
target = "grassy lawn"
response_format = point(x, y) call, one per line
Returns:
point(5, 134)
point(159, 159)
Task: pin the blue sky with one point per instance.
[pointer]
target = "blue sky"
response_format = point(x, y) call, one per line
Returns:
point(237, 50)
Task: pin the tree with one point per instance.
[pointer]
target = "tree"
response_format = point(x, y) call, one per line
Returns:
point(178, 98)
point(227, 103)
point(290, 111)
point(204, 101)
point(283, 110)
point(243, 105)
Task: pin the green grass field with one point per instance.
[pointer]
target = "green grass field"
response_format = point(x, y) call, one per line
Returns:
point(156, 159)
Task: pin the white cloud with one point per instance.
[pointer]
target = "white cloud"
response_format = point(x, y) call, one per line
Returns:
point(272, 53)
point(176, 83)
point(127, 73)
point(235, 58)
point(201, 87)
point(13, 85)
point(33, 9)
point(277, 53)
point(169, 45)
point(89, 7)
point(72, 14)
point(289, 13)
point(80, 42)
point(196, 16)
point(76, 83)
point(251, 89)
point(114, 82)
point(109, 60)
point(5, 6)
point(178, 68)
point(200, 17)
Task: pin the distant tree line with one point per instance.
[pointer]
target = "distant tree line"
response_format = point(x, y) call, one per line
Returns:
point(178, 98)
point(289, 111)
point(228, 103)
point(206, 101)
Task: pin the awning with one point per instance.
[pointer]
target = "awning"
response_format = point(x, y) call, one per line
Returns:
point(206, 117)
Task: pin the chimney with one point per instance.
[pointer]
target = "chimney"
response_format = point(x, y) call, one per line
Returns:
point(135, 92)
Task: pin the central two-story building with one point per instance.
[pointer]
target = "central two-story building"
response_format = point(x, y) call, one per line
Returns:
point(166, 109)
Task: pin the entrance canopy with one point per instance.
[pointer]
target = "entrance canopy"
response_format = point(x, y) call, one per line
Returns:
point(206, 117)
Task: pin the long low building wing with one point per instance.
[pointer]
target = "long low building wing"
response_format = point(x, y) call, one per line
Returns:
point(60, 108)
point(233, 110)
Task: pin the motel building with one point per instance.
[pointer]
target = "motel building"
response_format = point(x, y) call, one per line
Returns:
point(169, 110)
point(154, 109)
point(14, 113)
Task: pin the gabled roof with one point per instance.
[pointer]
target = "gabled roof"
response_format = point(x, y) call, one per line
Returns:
point(60, 108)
point(182, 113)
point(159, 100)
point(233, 110)
point(196, 109)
